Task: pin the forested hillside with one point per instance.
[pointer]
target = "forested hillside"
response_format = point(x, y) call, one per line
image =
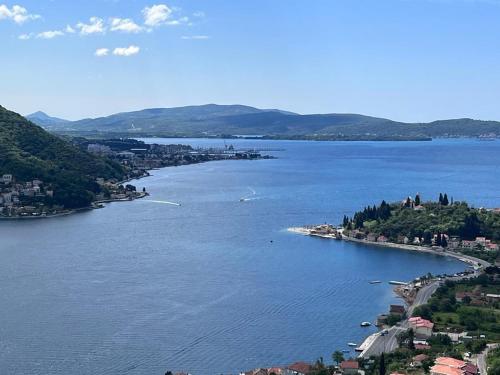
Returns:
point(28, 152)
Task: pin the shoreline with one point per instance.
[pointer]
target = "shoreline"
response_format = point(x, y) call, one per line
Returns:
point(367, 343)
point(476, 262)
point(95, 204)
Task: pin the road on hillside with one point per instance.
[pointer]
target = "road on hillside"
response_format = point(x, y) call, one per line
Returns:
point(386, 343)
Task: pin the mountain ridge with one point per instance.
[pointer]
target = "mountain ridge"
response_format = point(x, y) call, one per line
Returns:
point(217, 120)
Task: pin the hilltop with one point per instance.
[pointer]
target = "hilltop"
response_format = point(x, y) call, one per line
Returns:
point(230, 120)
point(28, 152)
point(42, 119)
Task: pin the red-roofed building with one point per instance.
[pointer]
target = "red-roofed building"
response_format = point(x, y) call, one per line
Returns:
point(418, 359)
point(421, 327)
point(452, 366)
point(298, 368)
point(350, 367)
point(445, 370)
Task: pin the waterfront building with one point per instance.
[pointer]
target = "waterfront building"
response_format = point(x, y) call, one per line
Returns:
point(349, 367)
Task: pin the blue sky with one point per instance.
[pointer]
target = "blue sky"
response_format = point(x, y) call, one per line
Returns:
point(410, 60)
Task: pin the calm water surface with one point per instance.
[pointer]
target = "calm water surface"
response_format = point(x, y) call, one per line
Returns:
point(143, 287)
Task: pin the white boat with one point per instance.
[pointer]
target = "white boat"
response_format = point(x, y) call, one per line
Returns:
point(392, 282)
point(365, 324)
point(352, 344)
point(375, 282)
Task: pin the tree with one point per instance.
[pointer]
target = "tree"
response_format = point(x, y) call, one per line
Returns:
point(427, 237)
point(408, 202)
point(417, 200)
point(337, 357)
point(445, 200)
point(382, 365)
point(411, 337)
point(440, 198)
point(444, 241)
point(438, 239)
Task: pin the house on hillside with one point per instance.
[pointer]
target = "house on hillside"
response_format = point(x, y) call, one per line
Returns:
point(421, 327)
point(398, 310)
point(298, 368)
point(350, 367)
point(452, 366)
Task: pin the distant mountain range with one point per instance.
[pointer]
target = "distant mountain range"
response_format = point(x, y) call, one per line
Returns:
point(231, 120)
point(42, 119)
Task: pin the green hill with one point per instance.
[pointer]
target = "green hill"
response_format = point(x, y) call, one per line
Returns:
point(28, 152)
point(217, 120)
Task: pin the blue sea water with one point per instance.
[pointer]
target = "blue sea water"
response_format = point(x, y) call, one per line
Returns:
point(147, 286)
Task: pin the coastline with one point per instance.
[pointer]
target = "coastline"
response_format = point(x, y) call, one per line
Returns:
point(370, 340)
point(96, 204)
point(476, 262)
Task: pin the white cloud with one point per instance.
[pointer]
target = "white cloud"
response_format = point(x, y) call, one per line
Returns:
point(49, 34)
point(95, 26)
point(125, 25)
point(127, 51)
point(101, 52)
point(179, 21)
point(156, 15)
point(17, 13)
point(69, 29)
point(195, 37)
point(199, 14)
point(25, 36)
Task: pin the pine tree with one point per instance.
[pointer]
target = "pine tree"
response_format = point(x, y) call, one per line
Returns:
point(440, 198)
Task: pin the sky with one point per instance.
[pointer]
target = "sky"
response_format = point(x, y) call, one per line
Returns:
point(407, 60)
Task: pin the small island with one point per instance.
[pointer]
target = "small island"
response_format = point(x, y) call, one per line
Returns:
point(445, 227)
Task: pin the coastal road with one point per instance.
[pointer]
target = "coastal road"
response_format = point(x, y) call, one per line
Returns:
point(423, 295)
point(386, 343)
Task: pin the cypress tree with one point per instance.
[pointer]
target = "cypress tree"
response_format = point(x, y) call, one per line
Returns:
point(417, 200)
point(438, 239)
point(427, 237)
point(444, 242)
point(445, 200)
point(382, 365)
point(440, 198)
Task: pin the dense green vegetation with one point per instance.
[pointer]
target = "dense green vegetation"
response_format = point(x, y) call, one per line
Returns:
point(493, 362)
point(475, 314)
point(217, 120)
point(424, 220)
point(29, 152)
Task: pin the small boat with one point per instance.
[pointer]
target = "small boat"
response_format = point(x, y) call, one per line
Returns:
point(346, 351)
point(366, 324)
point(375, 282)
point(352, 344)
point(392, 282)
point(358, 349)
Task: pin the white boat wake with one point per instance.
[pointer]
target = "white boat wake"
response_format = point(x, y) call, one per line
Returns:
point(250, 197)
point(163, 202)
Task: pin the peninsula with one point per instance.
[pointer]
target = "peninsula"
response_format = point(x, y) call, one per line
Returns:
point(444, 227)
